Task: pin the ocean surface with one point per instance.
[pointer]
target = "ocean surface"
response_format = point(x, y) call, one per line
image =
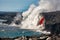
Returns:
point(12, 32)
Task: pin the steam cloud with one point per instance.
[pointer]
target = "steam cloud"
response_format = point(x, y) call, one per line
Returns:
point(32, 15)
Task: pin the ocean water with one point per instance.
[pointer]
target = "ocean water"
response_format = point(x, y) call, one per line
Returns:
point(12, 32)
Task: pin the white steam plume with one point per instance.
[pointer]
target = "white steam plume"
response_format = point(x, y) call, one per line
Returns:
point(55, 4)
point(31, 15)
point(28, 12)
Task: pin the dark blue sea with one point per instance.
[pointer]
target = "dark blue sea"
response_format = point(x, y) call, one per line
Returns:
point(12, 32)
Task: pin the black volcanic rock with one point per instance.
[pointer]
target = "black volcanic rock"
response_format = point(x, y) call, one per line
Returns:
point(52, 22)
point(52, 17)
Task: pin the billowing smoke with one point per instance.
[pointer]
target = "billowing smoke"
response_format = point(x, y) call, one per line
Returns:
point(32, 16)
point(56, 4)
point(53, 5)
point(28, 12)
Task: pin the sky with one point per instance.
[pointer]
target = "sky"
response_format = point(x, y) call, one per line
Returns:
point(16, 5)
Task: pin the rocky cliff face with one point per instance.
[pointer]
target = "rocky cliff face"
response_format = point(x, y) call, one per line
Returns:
point(52, 17)
point(52, 21)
